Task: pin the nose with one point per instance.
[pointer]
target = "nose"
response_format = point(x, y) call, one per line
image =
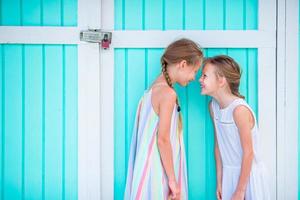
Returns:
point(200, 79)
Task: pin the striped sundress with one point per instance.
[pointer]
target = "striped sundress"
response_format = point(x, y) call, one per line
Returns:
point(146, 177)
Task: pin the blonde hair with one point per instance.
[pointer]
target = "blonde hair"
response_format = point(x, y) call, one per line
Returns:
point(183, 49)
point(228, 68)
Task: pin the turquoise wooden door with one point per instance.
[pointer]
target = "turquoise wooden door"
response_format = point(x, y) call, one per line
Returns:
point(299, 112)
point(135, 69)
point(38, 106)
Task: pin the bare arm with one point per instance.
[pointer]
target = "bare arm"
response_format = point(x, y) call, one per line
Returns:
point(217, 157)
point(164, 144)
point(244, 121)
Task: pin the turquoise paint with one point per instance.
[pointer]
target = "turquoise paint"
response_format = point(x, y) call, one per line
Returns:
point(194, 20)
point(214, 15)
point(1, 119)
point(252, 93)
point(133, 15)
point(152, 64)
point(70, 13)
point(71, 121)
point(38, 121)
point(38, 13)
point(53, 122)
point(13, 122)
point(173, 15)
point(119, 14)
point(119, 138)
point(251, 14)
point(33, 121)
point(153, 15)
point(10, 12)
point(31, 11)
point(234, 20)
point(38, 106)
point(135, 81)
point(52, 15)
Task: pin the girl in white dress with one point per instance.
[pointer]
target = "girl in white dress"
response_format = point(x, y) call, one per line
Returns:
point(240, 171)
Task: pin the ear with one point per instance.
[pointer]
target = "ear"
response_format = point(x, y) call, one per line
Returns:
point(182, 64)
point(222, 80)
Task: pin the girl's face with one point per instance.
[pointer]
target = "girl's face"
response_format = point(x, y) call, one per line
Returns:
point(209, 81)
point(187, 73)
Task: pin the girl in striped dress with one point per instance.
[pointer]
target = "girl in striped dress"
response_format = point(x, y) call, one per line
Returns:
point(157, 166)
point(240, 171)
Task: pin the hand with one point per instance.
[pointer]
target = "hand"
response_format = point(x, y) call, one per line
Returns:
point(174, 189)
point(238, 195)
point(219, 192)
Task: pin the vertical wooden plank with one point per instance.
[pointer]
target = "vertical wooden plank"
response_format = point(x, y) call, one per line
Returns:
point(13, 122)
point(71, 119)
point(195, 142)
point(120, 124)
point(194, 14)
point(234, 15)
point(135, 87)
point(33, 117)
point(53, 121)
point(154, 15)
point(291, 100)
point(2, 110)
point(252, 79)
point(214, 15)
point(211, 178)
point(51, 13)
point(133, 15)
point(10, 12)
point(69, 13)
point(173, 21)
point(31, 10)
point(251, 14)
point(153, 65)
point(298, 105)
point(119, 14)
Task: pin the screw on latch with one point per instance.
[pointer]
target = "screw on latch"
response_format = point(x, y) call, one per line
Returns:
point(105, 41)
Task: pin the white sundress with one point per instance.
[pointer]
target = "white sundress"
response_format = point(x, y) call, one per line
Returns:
point(231, 154)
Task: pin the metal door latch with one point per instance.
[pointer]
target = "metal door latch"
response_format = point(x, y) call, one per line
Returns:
point(96, 36)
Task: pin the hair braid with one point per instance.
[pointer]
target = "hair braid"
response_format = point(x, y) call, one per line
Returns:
point(169, 82)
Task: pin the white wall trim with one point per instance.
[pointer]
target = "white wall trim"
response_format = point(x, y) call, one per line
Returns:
point(292, 103)
point(88, 122)
point(287, 105)
point(39, 35)
point(145, 39)
point(267, 112)
point(107, 106)
point(207, 38)
point(281, 110)
point(89, 163)
point(267, 91)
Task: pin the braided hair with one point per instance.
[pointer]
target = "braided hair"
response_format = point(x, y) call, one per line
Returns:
point(183, 49)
